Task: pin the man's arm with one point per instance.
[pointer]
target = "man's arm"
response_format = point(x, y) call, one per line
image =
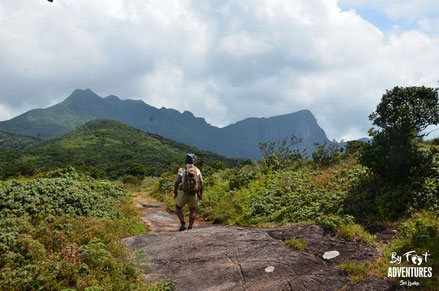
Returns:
point(178, 180)
point(176, 184)
point(200, 192)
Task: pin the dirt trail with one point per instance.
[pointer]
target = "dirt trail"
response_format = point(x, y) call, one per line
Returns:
point(232, 258)
point(156, 217)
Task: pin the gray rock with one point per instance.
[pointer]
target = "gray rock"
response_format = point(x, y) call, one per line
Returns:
point(229, 258)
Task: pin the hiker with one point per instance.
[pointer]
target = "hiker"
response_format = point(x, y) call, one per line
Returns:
point(188, 188)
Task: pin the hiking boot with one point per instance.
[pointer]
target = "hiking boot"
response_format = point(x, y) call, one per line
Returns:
point(182, 227)
point(190, 227)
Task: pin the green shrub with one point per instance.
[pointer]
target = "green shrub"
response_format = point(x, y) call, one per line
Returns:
point(57, 196)
point(356, 272)
point(255, 194)
point(241, 177)
point(133, 180)
point(434, 141)
point(354, 146)
point(334, 222)
point(282, 153)
point(355, 232)
point(166, 184)
point(218, 165)
point(375, 196)
point(62, 231)
point(420, 232)
point(137, 169)
point(113, 175)
point(344, 227)
point(295, 243)
point(326, 154)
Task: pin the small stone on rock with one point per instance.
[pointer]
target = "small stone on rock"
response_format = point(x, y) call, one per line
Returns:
point(269, 269)
point(330, 255)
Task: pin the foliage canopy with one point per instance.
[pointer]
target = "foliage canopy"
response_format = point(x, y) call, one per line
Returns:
point(402, 164)
point(407, 110)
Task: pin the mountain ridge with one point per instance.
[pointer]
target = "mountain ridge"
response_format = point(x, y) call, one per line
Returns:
point(237, 140)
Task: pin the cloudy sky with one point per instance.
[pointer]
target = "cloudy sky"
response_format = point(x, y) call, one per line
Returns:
point(222, 60)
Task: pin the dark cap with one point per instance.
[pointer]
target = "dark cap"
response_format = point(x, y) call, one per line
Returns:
point(190, 159)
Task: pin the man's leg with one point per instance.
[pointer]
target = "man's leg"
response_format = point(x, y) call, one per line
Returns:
point(180, 200)
point(179, 211)
point(192, 214)
point(180, 215)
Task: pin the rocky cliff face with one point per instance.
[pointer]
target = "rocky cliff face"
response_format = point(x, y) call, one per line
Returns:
point(239, 140)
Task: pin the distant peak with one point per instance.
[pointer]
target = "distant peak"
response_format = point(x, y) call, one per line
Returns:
point(188, 113)
point(112, 98)
point(307, 113)
point(81, 91)
point(80, 94)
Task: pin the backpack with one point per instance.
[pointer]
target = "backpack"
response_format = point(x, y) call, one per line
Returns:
point(191, 182)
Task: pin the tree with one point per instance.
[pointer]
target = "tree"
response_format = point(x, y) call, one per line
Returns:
point(282, 153)
point(402, 116)
point(137, 169)
point(354, 146)
point(407, 110)
point(404, 168)
point(326, 154)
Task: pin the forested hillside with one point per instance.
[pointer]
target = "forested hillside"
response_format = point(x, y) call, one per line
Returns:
point(15, 141)
point(103, 148)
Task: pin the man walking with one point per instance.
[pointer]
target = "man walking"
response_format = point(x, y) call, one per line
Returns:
point(188, 189)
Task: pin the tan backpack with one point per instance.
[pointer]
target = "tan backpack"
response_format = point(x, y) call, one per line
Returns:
point(191, 182)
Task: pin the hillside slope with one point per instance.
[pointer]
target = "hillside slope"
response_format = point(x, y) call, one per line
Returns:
point(109, 146)
point(15, 141)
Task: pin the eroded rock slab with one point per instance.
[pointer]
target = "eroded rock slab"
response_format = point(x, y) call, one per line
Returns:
point(226, 258)
point(318, 242)
point(220, 258)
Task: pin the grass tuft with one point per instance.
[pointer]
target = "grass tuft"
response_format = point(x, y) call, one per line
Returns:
point(295, 243)
point(356, 272)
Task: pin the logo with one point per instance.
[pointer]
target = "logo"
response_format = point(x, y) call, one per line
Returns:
point(416, 271)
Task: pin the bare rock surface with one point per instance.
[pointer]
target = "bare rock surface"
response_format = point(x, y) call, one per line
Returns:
point(319, 242)
point(231, 258)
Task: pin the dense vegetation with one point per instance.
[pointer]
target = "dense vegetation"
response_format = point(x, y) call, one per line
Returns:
point(403, 167)
point(15, 141)
point(393, 180)
point(61, 231)
point(103, 148)
point(257, 193)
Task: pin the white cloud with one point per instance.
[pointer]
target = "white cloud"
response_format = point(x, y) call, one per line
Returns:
point(167, 87)
point(243, 44)
point(429, 25)
point(222, 60)
point(5, 113)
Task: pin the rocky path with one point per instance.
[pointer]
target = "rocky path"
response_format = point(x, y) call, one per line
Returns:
point(158, 219)
point(232, 258)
